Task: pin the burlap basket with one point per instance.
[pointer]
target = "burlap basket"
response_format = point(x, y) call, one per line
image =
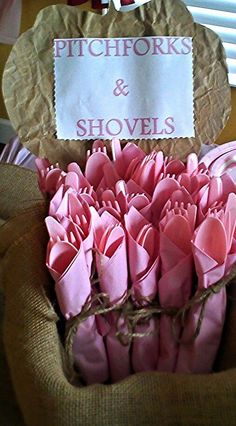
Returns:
point(37, 359)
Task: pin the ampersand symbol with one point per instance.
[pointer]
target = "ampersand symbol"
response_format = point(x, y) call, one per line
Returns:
point(120, 89)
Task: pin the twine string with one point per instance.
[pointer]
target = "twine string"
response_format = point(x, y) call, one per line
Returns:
point(131, 315)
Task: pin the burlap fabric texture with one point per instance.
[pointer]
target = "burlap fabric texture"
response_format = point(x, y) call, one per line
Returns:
point(37, 359)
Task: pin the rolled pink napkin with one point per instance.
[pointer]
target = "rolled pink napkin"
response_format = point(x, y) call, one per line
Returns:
point(57, 184)
point(110, 203)
point(74, 215)
point(175, 284)
point(60, 201)
point(66, 262)
point(210, 255)
point(78, 181)
point(125, 196)
point(126, 159)
point(133, 188)
point(171, 209)
point(144, 175)
point(153, 168)
point(143, 253)
point(59, 204)
point(118, 353)
point(162, 193)
point(89, 350)
point(80, 219)
point(145, 349)
point(174, 167)
point(111, 256)
point(75, 180)
point(210, 196)
point(215, 194)
point(49, 177)
point(100, 170)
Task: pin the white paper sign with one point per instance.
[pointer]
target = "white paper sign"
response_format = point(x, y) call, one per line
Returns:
point(131, 88)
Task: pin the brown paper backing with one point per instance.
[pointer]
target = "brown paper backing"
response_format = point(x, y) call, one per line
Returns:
point(28, 85)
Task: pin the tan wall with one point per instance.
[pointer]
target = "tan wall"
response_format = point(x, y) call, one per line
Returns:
point(30, 10)
point(229, 133)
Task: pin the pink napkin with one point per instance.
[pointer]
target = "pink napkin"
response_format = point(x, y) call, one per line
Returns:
point(66, 262)
point(143, 253)
point(59, 184)
point(175, 284)
point(126, 159)
point(100, 171)
point(144, 175)
point(153, 168)
point(145, 349)
point(210, 252)
point(75, 216)
point(79, 221)
point(76, 180)
point(125, 196)
point(59, 204)
point(111, 256)
point(162, 193)
point(118, 353)
point(215, 194)
point(89, 351)
point(10, 17)
point(49, 177)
